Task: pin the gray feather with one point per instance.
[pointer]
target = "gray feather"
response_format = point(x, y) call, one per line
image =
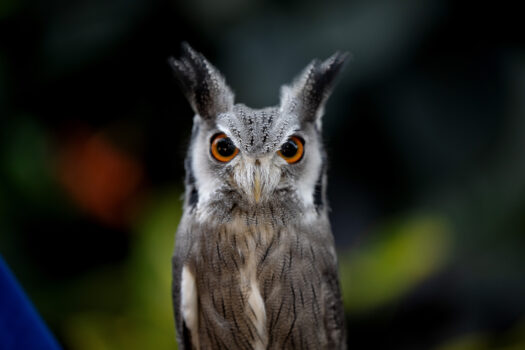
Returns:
point(203, 85)
point(308, 93)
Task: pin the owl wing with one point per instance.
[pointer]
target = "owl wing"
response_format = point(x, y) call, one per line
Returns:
point(179, 256)
point(334, 315)
point(183, 336)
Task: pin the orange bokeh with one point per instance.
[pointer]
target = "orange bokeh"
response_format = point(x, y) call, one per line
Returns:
point(101, 179)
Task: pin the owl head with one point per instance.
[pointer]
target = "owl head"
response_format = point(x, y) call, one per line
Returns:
point(243, 160)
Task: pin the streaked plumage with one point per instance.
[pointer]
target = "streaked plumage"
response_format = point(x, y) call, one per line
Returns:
point(254, 264)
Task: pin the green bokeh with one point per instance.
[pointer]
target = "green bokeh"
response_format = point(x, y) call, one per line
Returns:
point(142, 288)
point(381, 271)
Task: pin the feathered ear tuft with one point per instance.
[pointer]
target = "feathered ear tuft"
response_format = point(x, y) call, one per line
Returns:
point(306, 96)
point(203, 85)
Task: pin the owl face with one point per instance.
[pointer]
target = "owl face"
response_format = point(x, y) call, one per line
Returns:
point(257, 155)
point(242, 158)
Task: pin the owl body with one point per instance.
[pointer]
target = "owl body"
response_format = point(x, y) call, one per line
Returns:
point(254, 264)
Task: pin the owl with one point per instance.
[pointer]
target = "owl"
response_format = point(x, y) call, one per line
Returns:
point(254, 265)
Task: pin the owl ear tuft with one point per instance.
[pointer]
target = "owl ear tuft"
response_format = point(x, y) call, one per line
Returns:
point(308, 93)
point(202, 84)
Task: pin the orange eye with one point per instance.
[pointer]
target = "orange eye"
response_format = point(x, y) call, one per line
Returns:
point(292, 150)
point(222, 148)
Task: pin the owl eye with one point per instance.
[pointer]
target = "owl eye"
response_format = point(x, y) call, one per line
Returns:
point(222, 148)
point(292, 150)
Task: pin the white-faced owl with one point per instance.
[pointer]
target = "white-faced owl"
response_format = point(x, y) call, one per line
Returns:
point(255, 265)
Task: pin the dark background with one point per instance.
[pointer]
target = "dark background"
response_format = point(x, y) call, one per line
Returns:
point(425, 135)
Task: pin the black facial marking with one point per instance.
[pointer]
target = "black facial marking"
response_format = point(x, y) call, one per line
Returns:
point(194, 197)
point(318, 192)
point(193, 193)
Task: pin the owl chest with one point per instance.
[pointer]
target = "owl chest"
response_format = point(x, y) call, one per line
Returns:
point(256, 286)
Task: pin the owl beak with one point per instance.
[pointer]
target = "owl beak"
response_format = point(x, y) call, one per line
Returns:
point(256, 177)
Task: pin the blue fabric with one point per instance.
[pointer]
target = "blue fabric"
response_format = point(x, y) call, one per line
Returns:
point(20, 325)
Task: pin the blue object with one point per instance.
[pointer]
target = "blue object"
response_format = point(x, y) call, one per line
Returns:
point(20, 325)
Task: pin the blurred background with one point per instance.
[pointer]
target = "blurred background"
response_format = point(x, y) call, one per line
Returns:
point(425, 134)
